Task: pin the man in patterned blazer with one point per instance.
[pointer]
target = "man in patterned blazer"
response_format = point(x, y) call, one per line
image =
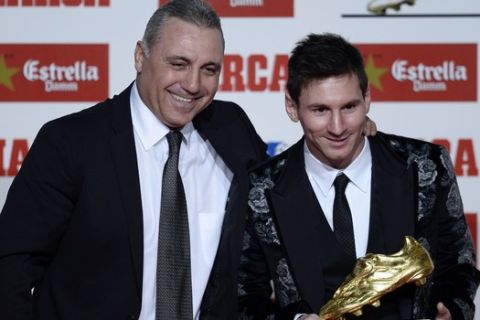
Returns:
point(396, 187)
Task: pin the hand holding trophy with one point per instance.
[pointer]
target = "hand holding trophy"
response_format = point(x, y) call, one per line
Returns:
point(376, 275)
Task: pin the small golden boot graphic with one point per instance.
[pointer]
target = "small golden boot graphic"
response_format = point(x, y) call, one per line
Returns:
point(380, 6)
point(375, 275)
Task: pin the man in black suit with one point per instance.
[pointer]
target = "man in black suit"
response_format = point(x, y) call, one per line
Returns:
point(80, 226)
point(395, 186)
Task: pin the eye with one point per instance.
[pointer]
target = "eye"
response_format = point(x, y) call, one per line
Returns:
point(320, 110)
point(350, 107)
point(178, 65)
point(211, 70)
point(177, 62)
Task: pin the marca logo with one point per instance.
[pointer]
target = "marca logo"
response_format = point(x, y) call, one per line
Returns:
point(53, 72)
point(252, 8)
point(256, 73)
point(54, 3)
point(463, 156)
point(16, 150)
point(421, 72)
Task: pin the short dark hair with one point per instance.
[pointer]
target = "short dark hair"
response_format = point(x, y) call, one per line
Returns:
point(198, 12)
point(320, 56)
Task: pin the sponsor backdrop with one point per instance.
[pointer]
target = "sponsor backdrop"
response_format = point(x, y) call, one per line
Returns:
point(60, 56)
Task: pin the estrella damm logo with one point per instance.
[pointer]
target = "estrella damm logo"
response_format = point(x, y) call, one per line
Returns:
point(421, 72)
point(53, 72)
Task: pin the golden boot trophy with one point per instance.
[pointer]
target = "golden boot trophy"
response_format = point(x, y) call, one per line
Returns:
point(380, 6)
point(375, 275)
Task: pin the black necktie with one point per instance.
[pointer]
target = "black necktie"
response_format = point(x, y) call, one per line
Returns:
point(174, 284)
point(342, 217)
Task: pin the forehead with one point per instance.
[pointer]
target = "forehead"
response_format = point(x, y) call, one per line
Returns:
point(335, 89)
point(180, 37)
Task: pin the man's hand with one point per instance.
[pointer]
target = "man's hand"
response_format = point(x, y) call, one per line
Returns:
point(442, 312)
point(370, 128)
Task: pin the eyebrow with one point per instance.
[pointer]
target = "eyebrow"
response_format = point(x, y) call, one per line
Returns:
point(171, 58)
point(353, 101)
point(322, 105)
point(184, 59)
point(317, 105)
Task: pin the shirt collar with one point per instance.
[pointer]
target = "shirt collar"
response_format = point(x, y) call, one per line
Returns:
point(358, 171)
point(148, 127)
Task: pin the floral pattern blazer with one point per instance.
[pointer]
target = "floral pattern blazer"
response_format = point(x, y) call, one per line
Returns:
point(414, 191)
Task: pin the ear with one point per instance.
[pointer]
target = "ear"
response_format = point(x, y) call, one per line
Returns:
point(291, 107)
point(139, 56)
point(367, 100)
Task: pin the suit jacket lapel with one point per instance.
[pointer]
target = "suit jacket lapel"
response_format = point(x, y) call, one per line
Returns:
point(125, 163)
point(394, 199)
point(294, 205)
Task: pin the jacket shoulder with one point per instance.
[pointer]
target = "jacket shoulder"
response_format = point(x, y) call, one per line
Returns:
point(221, 113)
point(87, 117)
point(271, 168)
point(94, 121)
point(408, 148)
point(226, 124)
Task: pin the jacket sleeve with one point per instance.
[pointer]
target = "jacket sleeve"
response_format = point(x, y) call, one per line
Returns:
point(32, 222)
point(254, 288)
point(455, 276)
point(266, 288)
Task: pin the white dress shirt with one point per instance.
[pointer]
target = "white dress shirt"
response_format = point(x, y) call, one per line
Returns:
point(206, 180)
point(359, 172)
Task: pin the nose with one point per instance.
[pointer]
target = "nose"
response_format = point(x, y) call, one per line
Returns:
point(337, 124)
point(191, 82)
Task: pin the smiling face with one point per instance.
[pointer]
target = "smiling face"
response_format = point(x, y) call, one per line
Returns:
point(332, 113)
point(178, 77)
